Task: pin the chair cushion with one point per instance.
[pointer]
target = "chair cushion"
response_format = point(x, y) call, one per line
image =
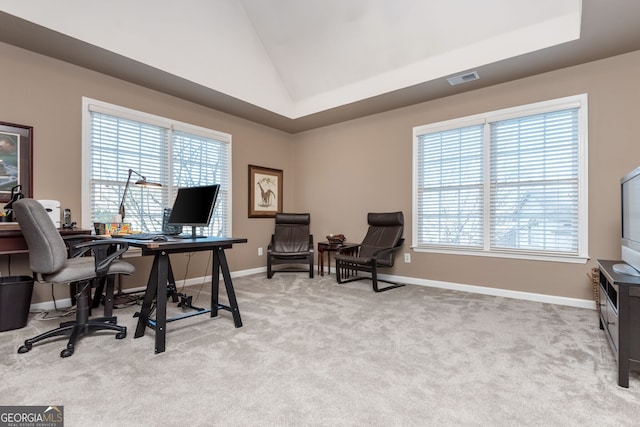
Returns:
point(291, 235)
point(83, 268)
point(353, 259)
point(290, 238)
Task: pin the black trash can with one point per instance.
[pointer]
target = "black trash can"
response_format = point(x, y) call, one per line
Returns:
point(15, 300)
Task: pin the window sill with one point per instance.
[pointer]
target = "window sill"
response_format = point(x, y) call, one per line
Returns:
point(525, 256)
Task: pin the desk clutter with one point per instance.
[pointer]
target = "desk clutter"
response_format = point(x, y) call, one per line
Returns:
point(111, 228)
point(336, 239)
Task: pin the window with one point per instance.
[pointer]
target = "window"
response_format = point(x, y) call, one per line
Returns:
point(507, 183)
point(171, 153)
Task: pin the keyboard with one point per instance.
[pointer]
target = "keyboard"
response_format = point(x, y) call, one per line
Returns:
point(140, 236)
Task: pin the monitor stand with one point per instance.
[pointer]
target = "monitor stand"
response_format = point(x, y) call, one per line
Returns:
point(193, 234)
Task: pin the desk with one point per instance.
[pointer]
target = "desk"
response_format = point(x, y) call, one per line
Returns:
point(157, 284)
point(12, 241)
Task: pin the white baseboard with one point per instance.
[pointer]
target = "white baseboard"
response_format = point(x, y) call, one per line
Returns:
point(483, 290)
point(506, 293)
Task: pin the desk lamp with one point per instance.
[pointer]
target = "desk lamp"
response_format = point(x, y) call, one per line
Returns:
point(141, 182)
point(121, 297)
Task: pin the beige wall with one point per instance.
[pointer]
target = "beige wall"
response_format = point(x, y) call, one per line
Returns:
point(339, 173)
point(47, 94)
point(349, 169)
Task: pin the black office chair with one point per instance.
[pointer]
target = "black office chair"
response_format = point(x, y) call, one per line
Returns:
point(291, 243)
point(377, 250)
point(48, 260)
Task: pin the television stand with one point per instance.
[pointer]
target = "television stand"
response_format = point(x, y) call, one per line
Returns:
point(619, 310)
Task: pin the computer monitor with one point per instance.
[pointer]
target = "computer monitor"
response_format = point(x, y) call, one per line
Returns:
point(194, 207)
point(169, 230)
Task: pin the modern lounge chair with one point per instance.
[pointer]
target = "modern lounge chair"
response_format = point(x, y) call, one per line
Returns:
point(49, 261)
point(291, 243)
point(377, 250)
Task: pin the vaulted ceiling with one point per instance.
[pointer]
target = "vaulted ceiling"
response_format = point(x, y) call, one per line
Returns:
point(296, 65)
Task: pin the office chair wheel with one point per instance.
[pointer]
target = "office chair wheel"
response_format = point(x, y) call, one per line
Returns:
point(66, 352)
point(121, 335)
point(25, 348)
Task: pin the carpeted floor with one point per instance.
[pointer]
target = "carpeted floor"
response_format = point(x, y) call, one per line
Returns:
point(312, 352)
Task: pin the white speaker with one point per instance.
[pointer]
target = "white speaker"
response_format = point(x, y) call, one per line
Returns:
point(53, 209)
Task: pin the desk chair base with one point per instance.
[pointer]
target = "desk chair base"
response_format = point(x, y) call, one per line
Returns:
point(81, 326)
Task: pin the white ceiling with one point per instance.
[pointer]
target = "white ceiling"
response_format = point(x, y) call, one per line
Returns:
point(298, 57)
point(299, 64)
point(344, 50)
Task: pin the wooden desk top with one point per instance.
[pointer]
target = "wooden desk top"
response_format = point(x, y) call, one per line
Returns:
point(12, 241)
point(174, 245)
point(9, 226)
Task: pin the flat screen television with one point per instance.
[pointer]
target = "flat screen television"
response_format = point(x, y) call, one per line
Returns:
point(194, 207)
point(630, 198)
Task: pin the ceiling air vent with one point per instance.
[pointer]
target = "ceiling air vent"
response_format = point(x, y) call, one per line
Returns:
point(463, 78)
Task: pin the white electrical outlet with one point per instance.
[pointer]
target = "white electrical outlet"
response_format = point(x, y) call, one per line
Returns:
point(259, 251)
point(407, 257)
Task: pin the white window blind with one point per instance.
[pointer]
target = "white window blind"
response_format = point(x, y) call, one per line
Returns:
point(534, 183)
point(507, 182)
point(167, 152)
point(197, 160)
point(450, 192)
point(117, 145)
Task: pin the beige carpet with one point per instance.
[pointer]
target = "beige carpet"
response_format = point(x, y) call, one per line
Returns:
point(312, 352)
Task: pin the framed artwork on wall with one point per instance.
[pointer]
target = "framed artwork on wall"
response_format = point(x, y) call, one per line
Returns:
point(265, 192)
point(16, 159)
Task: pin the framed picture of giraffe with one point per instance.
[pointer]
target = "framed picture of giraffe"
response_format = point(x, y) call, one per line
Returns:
point(265, 192)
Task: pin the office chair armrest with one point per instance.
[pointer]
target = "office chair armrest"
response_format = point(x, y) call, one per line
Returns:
point(100, 248)
point(78, 237)
point(72, 240)
point(84, 247)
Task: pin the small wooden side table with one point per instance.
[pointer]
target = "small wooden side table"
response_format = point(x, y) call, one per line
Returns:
point(327, 247)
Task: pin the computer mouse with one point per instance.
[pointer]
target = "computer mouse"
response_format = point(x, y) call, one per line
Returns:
point(160, 238)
